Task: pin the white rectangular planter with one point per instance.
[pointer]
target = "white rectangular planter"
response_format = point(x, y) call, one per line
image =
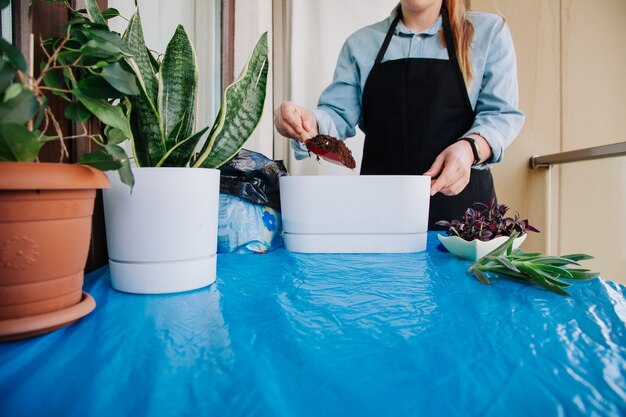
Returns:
point(355, 214)
point(162, 237)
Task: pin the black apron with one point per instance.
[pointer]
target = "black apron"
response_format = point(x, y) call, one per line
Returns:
point(413, 109)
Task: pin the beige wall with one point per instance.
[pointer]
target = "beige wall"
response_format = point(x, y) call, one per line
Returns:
point(572, 88)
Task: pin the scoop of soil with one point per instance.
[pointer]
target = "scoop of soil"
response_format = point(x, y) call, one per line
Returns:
point(330, 145)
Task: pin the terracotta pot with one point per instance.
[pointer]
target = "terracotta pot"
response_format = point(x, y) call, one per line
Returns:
point(45, 232)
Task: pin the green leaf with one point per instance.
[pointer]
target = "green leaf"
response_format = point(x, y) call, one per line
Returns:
point(94, 13)
point(108, 36)
point(121, 80)
point(20, 109)
point(537, 278)
point(100, 49)
point(77, 112)
point(13, 55)
point(115, 136)
point(100, 160)
point(148, 141)
point(54, 79)
point(7, 74)
point(96, 87)
point(125, 172)
point(181, 153)
point(577, 257)
point(583, 274)
point(110, 13)
point(178, 80)
point(13, 91)
point(105, 112)
point(554, 270)
point(4, 3)
point(241, 111)
point(481, 277)
point(18, 143)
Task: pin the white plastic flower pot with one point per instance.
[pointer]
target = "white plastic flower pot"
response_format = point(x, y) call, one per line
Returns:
point(355, 214)
point(162, 237)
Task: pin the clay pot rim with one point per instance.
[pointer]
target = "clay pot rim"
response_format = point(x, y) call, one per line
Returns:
point(24, 327)
point(50, 176)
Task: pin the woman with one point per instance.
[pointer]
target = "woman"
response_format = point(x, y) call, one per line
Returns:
point(434, 88)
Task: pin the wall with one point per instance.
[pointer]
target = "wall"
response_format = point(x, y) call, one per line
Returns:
point(573, 91)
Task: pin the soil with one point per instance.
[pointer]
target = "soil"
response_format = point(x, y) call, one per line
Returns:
point(332, 145)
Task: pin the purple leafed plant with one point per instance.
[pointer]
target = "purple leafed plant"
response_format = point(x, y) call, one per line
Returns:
point(485, 222)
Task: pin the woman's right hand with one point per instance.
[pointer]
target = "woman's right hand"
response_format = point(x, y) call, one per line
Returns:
point(292, 121)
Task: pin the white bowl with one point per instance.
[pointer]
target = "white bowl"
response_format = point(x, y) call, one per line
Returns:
point(475, 249)
point(355, 214)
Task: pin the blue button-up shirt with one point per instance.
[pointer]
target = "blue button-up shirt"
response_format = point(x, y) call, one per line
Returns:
point(493, 90)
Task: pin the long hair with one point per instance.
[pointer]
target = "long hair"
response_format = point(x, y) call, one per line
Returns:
point(462, 33)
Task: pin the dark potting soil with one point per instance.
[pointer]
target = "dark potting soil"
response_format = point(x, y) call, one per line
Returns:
point(330, 144)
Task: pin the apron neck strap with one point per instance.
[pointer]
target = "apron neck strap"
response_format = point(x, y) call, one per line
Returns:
point(447, 32)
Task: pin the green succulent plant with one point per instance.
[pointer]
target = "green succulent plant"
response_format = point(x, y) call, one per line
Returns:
point(163, 114)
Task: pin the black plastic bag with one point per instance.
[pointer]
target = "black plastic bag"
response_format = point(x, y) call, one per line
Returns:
point(253, 176)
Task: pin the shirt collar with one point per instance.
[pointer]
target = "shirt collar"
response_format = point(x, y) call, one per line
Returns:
point(403, 30)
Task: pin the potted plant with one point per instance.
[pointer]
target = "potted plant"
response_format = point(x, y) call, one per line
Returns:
point(482, 229)
point(162, 237)
point(46, 208)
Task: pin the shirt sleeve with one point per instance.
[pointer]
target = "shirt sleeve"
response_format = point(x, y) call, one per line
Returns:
point(339, 107)
point(498, 118)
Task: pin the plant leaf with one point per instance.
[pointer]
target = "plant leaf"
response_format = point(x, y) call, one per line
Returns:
point(18, 144)
point(94, 13)
point(105, 112)
point(13, 55)
point(481, 276)
point(100, 49)
point(125, 172)
point(77, 112)
point(7, 74)
point(115, 136)
point(19, 109)
point(241, 111)
point(121, 80)
point(178, 81)
point(96, 87)
point(148, 141)
point(110, 13)
point(583, 274)
point(180, 154)
point(100, 160)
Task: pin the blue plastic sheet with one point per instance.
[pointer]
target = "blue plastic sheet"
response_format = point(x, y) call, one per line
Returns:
point(285, 334)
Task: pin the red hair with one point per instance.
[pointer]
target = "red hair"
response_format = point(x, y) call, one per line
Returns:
point(462, 33)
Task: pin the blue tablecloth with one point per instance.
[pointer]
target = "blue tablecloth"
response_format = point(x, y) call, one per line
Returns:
point(287, 334)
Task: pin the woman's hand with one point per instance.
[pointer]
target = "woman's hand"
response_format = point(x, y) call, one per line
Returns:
point(291, 121)
point(451, 169)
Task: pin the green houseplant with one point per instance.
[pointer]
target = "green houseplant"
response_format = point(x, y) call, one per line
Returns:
point(46, 208)
point(162, 237)
point(482, 228)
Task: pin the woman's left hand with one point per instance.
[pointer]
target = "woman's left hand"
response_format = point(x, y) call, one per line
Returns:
point(451, 170)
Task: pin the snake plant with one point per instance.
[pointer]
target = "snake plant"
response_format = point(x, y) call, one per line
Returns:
point(162, 116)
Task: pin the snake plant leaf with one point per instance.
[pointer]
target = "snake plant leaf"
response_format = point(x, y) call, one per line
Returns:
point(149, 141)
point(178, 84)
point(242, 106)
point(94, 13)
point(18, 144)
point(178, 156)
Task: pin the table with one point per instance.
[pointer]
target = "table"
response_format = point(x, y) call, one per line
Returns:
point(286, 334)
